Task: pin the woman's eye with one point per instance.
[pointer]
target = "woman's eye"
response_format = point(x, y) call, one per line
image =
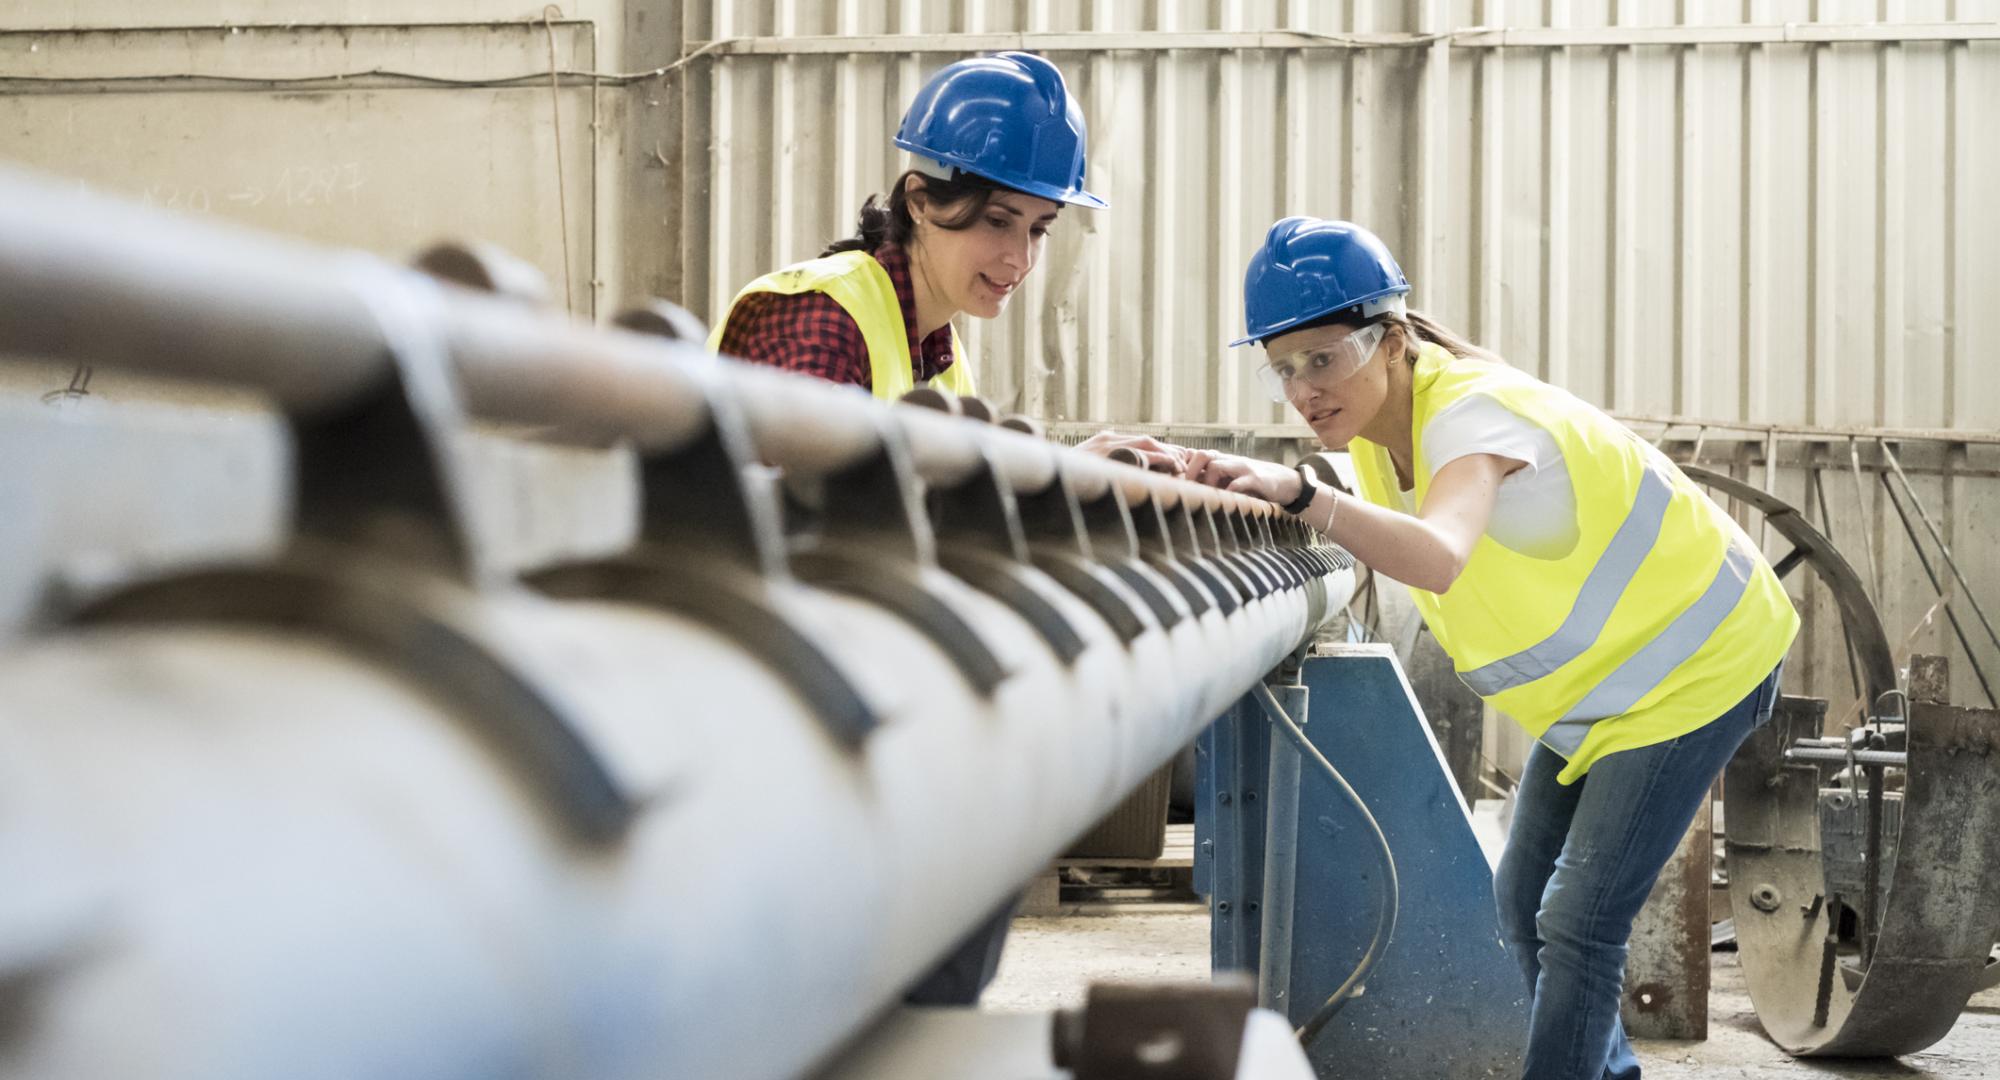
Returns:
point(998, 223)
point(1038, 232)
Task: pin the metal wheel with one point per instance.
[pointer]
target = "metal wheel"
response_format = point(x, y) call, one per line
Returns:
point(1864, 915)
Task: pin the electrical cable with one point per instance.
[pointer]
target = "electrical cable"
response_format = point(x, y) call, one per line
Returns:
point(549, 13)
point(1385, 917)
point(726, 46)
point(570, 77)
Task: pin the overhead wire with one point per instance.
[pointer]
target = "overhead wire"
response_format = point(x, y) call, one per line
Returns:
point(195, 78)
point(549, 13)
point(604, 78)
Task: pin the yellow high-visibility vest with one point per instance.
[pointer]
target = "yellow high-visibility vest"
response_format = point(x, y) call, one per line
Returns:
point(862, 289)
point(1661, 618)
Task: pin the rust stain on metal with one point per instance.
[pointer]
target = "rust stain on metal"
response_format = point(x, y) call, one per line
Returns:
point(1652, 997)
point(1666, 974)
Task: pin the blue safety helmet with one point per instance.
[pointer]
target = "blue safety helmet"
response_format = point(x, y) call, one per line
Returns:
point(1309, 268)
point(1007, 117)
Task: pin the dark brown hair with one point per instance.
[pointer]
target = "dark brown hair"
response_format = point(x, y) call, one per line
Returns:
point(888, 221)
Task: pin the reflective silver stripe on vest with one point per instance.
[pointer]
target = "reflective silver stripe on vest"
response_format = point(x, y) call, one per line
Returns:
point(1614, 570)
point(1637, 676)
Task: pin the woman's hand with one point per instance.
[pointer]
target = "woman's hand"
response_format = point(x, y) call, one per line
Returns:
point(1152, 453)
point(1262, 479)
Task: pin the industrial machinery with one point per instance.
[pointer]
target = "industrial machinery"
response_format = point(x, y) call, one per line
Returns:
point(405, 681)
point(399, 679)
point(1864, 863)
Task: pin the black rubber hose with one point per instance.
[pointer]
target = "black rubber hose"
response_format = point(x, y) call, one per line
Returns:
point(1385, 917)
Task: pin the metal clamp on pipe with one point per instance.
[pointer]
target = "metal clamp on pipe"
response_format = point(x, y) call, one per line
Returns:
point(1107, 520)
point(1235, 545)
point(711, 547)
point(1153, 528)
point(1059, 544)
point(871, 538)
point(978, 527)
point(385, 560)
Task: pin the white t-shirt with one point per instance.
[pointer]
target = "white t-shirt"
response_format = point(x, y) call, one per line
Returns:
point(1535, 512)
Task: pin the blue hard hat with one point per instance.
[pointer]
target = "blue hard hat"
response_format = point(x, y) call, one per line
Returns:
point(1309, 268)
point(1007, 117)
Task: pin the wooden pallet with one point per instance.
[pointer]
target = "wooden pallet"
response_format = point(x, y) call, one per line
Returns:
point(1044, 895)
point(1178, 854)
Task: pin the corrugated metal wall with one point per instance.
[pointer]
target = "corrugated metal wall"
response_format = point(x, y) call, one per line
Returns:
point(1772, 211)
point(1680, 221)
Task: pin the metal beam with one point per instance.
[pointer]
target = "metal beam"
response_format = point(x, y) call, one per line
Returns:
point(1720, 430)
point(1754, 34)
point(1290, 40)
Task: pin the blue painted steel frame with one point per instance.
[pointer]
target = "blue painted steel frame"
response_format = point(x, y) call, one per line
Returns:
point(1445, 1002)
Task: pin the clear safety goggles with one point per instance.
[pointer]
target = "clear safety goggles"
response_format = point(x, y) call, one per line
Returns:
point(1326, 366)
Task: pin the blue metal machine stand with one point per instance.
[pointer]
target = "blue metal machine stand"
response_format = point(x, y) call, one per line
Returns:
point(1293, 876)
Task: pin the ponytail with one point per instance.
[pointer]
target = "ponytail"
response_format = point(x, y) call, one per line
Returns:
point(1413, 325)
point(1425, 329)
point(875, 225)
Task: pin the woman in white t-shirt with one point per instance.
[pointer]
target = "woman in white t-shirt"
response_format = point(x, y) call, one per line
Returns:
point(1580, 583)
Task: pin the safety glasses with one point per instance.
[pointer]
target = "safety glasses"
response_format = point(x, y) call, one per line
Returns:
point(1326, 366)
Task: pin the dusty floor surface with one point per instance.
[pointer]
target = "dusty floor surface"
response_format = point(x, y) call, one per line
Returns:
point(1049, 962)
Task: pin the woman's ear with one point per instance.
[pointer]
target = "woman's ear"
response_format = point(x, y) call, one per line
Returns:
point(915, 196)
point(1405, 343)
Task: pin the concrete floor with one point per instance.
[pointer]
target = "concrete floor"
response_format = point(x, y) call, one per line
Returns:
point(1050, 961)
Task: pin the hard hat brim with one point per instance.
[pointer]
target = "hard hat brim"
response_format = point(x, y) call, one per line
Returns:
point(1293, 323)
point(1051, 192)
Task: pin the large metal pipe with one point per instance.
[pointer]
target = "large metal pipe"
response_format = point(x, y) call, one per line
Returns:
point(300, 865)
point(313, 328)
point(295, 819)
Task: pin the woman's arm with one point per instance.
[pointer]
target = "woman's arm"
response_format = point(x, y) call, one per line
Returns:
point(1426, 551)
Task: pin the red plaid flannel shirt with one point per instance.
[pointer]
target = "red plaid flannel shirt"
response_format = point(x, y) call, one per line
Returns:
point(812, 333)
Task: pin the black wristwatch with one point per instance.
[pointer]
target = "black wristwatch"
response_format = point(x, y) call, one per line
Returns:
point(1308, 487)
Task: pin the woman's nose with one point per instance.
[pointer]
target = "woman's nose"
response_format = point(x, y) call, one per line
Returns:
point(1020, 253)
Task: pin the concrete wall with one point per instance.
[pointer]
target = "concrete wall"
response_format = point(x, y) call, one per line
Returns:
point(379, 125)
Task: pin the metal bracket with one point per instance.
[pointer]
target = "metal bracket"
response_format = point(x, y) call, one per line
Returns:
point(378, 471)
point(711, 547)
point(1259, 578)
point(1052, 523)
point(419, 625)
point(1261, 540)
point(1114, 542)
point(1203, 536)
point(1138, 1032)
point(981, 541)
point(1184, 540)
point(378, 477)
point(873, 541)
point(1156, 547)
point(658, 318)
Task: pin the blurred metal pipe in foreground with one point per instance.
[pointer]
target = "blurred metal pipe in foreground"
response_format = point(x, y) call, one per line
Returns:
point(702, 808)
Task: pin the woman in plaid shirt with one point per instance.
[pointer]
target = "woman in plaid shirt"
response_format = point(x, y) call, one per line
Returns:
point(997, 149)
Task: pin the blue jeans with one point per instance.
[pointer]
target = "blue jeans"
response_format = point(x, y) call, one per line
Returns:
point(1579, 863)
